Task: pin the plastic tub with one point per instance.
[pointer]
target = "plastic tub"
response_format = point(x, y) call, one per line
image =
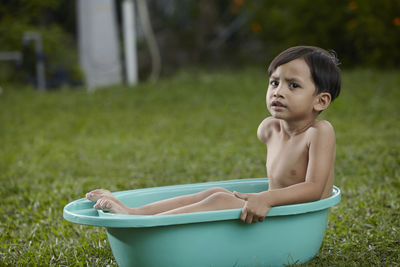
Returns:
point(290, 234)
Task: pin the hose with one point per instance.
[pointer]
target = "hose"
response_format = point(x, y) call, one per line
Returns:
point(150, 40)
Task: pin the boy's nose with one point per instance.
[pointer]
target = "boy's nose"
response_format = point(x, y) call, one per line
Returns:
point(278, 91)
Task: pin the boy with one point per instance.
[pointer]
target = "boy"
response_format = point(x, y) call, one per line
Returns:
point(304, 80)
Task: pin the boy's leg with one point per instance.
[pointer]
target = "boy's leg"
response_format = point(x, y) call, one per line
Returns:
point(109, 202)
point(216, 201)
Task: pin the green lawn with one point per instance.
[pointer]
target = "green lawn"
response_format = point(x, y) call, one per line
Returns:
point(194, 127)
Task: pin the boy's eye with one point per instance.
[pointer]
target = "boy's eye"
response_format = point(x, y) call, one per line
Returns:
point(294, 85)
point(274, 83)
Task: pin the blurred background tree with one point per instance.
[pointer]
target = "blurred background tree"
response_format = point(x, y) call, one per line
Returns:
point(217, 33)
point(55, 21)
point(361, 32)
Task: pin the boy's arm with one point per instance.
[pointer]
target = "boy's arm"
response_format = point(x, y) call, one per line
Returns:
point(264, 129)
point(321, 160)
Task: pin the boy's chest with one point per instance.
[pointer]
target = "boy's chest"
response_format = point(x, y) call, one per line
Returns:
point(287, 161)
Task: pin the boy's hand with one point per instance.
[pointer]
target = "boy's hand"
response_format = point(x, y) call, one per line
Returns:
point(256, 207)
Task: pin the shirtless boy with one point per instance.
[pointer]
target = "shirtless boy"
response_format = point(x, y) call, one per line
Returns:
point(303, 82)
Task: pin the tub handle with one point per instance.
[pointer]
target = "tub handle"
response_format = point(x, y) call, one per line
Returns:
point(80, 209)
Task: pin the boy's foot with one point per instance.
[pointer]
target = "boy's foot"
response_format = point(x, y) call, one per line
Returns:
point(111, 205)
point(98, 193)
point(106, 201)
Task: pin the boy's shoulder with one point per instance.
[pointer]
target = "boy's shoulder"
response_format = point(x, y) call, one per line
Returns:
point(266, 127)
point(322, 130)
point(323, 127)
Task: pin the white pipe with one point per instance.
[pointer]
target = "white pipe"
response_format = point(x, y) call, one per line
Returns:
point(129, 35)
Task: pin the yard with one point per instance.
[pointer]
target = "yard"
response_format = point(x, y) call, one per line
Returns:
point(194, 127)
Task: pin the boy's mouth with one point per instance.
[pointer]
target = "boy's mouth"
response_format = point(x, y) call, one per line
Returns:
point(277, 104)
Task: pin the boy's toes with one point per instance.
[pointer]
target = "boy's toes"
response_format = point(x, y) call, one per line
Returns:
point(97, 194)
point(97, 205)
point(103, 204)
point(89, 196)
point(92, 196)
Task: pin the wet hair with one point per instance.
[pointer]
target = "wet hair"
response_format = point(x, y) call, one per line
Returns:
point(323, 66)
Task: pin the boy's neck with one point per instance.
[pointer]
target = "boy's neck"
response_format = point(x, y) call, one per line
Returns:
point(293, 128)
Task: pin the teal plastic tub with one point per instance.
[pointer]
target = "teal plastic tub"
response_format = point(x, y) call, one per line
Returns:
point(290, 234)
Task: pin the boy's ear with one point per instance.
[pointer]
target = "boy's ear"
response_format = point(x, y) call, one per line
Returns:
point(322, 101)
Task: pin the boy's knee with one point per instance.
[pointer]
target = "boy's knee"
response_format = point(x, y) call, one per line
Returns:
point(203, 195)
point(220, 196)
point(219, 189)
point(222, 200)
point(215, 190)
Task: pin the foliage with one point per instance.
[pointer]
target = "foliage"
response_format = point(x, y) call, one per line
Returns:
point(236, 31)
point(362, 32)
point(194, 127)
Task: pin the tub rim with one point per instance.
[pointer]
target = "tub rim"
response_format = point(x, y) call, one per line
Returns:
point(81, 211)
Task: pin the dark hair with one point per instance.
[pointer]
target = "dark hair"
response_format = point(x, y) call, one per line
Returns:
point(323, 67)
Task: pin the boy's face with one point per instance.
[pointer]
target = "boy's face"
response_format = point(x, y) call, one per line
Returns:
point(291, 92)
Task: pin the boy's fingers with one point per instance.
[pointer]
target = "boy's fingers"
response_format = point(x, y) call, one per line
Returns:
point(243, 215)
point(249, 218)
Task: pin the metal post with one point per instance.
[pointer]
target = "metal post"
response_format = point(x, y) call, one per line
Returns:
point(40, 70)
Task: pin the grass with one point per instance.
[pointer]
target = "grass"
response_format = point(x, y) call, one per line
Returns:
point(194, 127)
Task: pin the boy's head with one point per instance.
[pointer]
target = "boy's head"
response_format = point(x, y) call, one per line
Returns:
point(323, 67)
